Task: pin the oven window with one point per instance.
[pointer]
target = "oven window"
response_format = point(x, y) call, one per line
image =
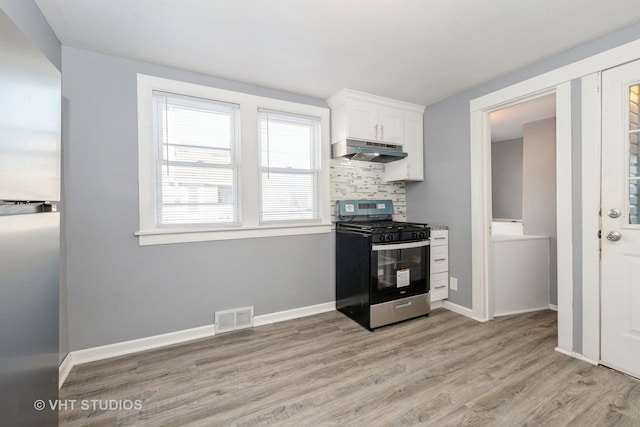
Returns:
point(399, 272)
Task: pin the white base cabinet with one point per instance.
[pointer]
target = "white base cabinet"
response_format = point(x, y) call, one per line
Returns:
point(439, 264)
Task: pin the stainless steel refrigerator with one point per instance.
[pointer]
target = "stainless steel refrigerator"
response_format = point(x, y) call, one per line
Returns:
point(30, 110)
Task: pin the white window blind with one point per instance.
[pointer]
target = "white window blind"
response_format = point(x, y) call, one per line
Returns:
point(290, 166)
point(196, 142)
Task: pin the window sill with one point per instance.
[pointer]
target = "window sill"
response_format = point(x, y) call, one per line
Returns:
point(168, 236)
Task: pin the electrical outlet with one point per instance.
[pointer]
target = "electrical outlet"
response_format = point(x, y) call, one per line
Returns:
point(453, 283)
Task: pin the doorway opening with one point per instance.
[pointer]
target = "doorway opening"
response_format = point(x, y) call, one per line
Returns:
point(481, 222)
point(523, 205)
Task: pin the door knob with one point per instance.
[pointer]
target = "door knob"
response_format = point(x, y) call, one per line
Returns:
point(614, 213)
point(614, 236)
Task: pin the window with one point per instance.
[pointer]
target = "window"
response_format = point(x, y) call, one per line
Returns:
point(216, 164)
point(289, 160)
point(196, 166)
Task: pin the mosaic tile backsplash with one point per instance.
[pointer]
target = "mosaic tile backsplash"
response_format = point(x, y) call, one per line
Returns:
point(365, 180)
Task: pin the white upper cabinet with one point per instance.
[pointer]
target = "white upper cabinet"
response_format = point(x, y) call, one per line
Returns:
point(357, 115)
point(371, 121)
point(411, 168)
point(364, 117)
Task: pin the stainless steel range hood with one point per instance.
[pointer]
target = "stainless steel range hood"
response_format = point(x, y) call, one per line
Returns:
point(367, 151)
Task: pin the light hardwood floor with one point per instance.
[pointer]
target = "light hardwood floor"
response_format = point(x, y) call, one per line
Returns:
point(326, 370)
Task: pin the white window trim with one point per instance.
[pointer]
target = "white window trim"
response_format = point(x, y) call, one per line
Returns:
point(249, 168)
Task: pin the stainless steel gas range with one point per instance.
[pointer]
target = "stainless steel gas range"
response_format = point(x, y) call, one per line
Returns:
point(382, 266)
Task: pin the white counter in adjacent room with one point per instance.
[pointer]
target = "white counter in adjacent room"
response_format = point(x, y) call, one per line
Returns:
point(521, 273)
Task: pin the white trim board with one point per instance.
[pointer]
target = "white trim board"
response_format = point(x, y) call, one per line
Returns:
point(453, 307)
point(525, 89)
point(558, 80)
point(528, 310)
point(458, 309)
point(577, 356)
point(564, 216)
point(141, 344)
point(123, 348)
point(64, 369)
point(591, 146)
point(295, 313)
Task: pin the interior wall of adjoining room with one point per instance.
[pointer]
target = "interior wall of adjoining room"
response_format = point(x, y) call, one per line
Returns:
point(539, 189)
point(506, 179)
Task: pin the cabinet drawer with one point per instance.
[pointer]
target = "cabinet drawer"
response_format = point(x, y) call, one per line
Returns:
point(439, 237)
point(439, 259)
point(439, 286)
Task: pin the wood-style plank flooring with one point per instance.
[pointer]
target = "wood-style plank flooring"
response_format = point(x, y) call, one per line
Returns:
point(326, 370)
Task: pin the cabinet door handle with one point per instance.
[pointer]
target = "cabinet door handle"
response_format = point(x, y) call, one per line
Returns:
point(376, 131)
point(381, 131)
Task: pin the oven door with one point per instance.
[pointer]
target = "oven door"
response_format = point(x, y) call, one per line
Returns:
point(399, 270)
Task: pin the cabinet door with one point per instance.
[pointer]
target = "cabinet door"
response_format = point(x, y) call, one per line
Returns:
point(362, 121)
point(390, 125)
point(411, 167)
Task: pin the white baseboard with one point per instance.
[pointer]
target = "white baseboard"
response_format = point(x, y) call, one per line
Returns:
point(93, 354)
point(577, 356)
point(281, 316)
point(141, 344)
point(458, 309)
point(553, 307)
point(64, 369)
point(528, 310)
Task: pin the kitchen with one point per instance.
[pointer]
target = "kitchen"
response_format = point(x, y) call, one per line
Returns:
point(118, 291)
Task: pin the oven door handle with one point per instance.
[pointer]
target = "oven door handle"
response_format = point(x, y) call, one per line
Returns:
point(393, 246)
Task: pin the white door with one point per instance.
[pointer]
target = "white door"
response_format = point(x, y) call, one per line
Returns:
point(620, 340)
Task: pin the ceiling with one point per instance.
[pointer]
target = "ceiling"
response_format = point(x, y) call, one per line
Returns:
point(508, 123)
point(413, 50)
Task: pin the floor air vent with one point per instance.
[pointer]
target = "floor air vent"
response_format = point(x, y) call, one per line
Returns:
point(230, 320)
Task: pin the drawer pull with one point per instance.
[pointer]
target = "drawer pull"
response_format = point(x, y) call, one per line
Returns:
point(440, 259)
point(441, 286)
point(404, 304)
point(439, 238)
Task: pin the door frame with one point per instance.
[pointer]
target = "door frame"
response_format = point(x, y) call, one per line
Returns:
point(559, 81)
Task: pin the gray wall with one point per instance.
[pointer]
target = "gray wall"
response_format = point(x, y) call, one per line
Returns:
point(445, 195)
point(27, 16)
point(120, 291)
point(539, 190)
point(506, 179)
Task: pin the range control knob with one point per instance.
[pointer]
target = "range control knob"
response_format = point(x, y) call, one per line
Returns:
point(423, 235)
point(414, 235)
point(389, 237)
